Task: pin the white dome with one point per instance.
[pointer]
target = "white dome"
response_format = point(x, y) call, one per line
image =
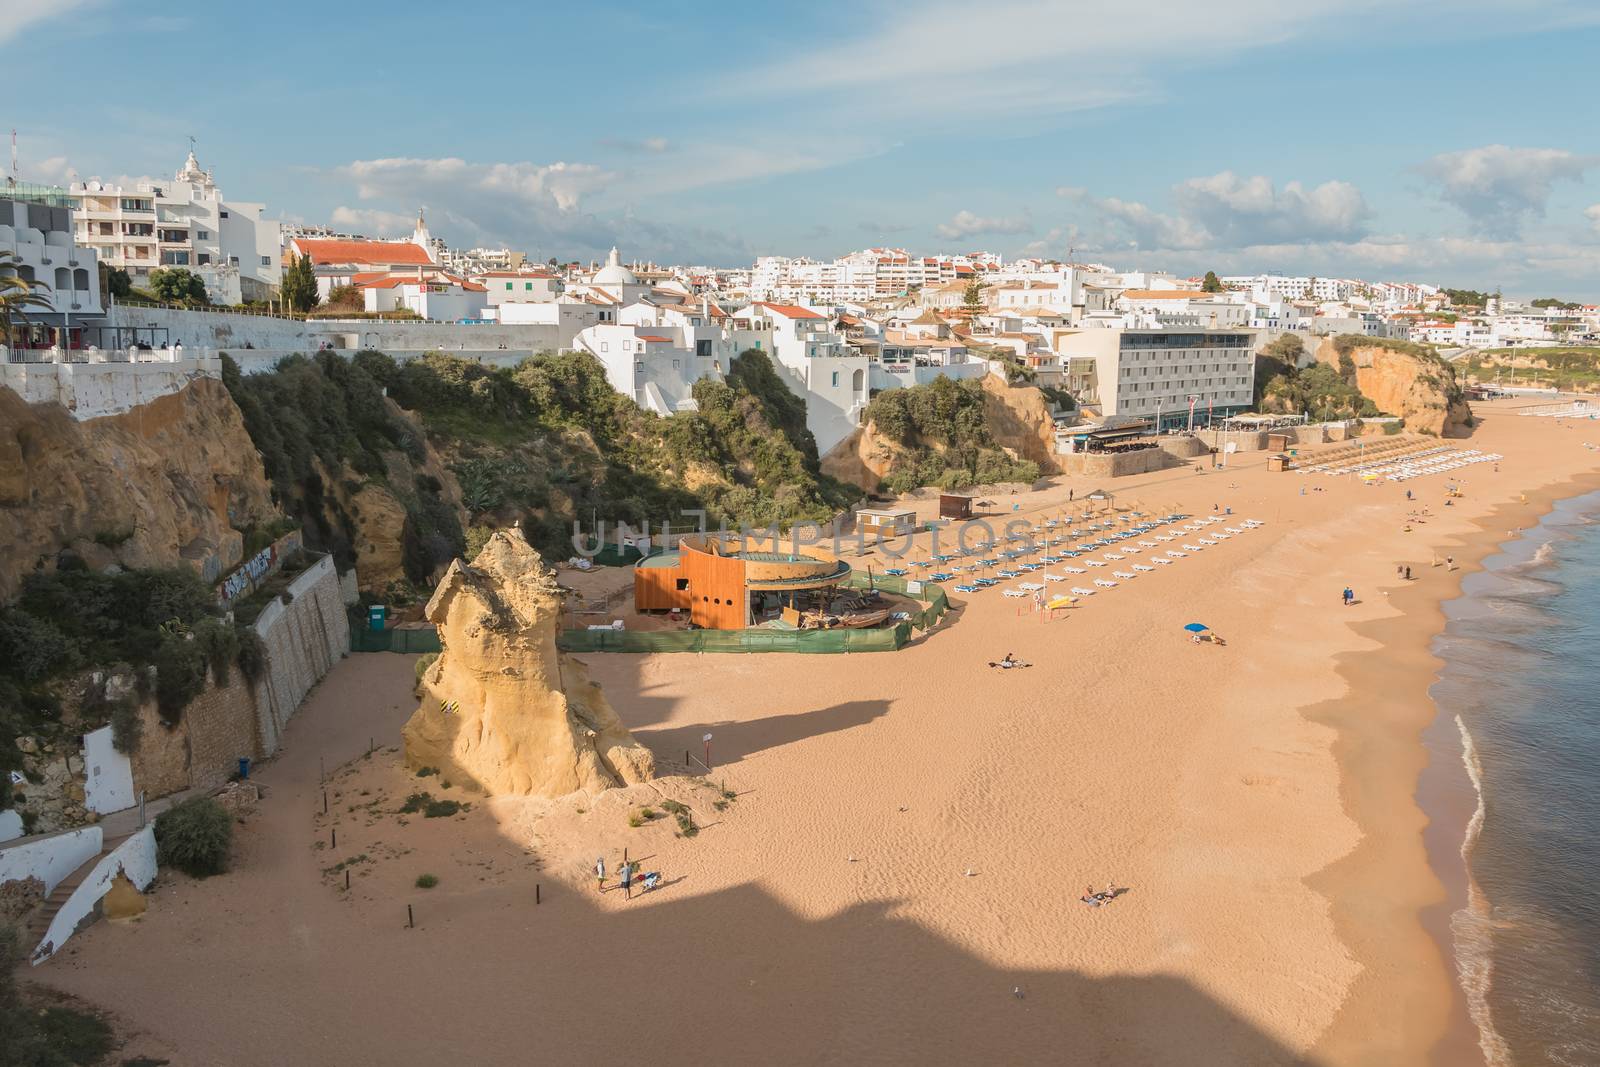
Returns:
point(614, 273)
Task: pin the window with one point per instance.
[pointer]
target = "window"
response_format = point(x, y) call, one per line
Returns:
point(605, 346)
point(508, 285)
point(526, 286)
point(202, 235)
point(205, 259)
point(266, 261)
point(835, 377)
point(683, 584)
point(224, 214)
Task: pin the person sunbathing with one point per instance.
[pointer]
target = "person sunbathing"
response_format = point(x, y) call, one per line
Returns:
point(1009, 662)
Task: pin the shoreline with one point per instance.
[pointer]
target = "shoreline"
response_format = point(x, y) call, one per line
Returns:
point(1407, 875)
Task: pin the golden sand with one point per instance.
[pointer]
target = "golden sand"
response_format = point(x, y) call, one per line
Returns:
point(898, 878)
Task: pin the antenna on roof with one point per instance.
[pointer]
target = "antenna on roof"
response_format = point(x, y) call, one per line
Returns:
point(12, 179)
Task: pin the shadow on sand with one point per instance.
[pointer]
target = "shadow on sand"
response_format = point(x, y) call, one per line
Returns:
point(733, 741)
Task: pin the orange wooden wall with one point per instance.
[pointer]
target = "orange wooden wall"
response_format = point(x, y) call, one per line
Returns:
point(717, 597)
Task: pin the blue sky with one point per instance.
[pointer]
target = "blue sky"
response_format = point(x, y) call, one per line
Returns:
point(1444, 142)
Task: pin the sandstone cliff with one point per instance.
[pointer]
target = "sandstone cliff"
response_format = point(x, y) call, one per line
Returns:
point(1420, 389)
point(501, 707)
point(1018, 416)
point(171, 481)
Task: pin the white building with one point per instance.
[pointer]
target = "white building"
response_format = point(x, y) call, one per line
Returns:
point(1156, 374)
point(519, 287)
point(39, 232)
point(182, 223)
point(815, 360)
point(654, 366)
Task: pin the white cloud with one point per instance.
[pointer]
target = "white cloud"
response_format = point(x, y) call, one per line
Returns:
point(648, 145)
point(373, 221)
point(1252, 210)
point(558, 185)
point(18, 15)
point(966, 224)
point(1592, 213)
point(1226, 210)
point(1501, 188)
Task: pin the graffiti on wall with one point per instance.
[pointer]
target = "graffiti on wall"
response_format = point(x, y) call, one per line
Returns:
point(249, 574)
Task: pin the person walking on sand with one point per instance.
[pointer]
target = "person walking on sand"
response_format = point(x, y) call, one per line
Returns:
point(600, 873)
point(1349, 596)
point(1408, 572)
point(626, 874)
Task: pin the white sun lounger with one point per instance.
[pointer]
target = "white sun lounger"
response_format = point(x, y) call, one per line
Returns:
point(1032, 587)
point(1013, 592)
point(1093, 563)
point(1074, 570)
point(1149, 544)
point(1054, 577)
point(1208, 542)
point(1164, 561)
point(1193, 548)
point(1113, 557)
point(1124, 575)
point(1079, 590)
point(1144, 566)
point(1105, 583)
point(1175, 554)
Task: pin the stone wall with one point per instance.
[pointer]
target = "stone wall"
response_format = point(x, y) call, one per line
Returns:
point(1115, 464)
point(133, 860)
point(94, 390)
point(304, 639)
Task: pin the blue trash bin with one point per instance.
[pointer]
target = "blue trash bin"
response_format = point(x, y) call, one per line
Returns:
point(244, 766)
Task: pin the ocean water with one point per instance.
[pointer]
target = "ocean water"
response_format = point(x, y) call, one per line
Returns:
point(1521, 686)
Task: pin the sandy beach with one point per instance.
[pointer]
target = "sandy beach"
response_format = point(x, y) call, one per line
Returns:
point(898, 878)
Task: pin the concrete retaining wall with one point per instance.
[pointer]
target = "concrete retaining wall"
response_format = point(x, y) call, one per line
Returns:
point(91, 390)
point(135, 859)
point(50, 859)
point(304, 639)
point(1246, 440)
point(1115, 464)
point(230, 332)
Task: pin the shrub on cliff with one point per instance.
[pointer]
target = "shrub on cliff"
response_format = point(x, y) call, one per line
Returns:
point(944, 437)
point(195, 836)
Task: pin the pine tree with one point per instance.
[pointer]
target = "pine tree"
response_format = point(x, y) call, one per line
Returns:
point(299, 285)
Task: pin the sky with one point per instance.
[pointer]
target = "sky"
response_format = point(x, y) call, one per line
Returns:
point(1451, 143)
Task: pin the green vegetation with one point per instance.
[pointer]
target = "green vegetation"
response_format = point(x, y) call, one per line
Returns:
point(326, 417)
point(76, 620)
point(945, 439)
point(345, 297)
point(175, 285)
point(415, 803)
point(43, 1029)
point(427, 881)
point(1467, 297)
point(115, 282)
point(550, 441)
point(1572, 369)
point(299, 286)
point(195, 836)
point(441, 809)
point(1554, 302)
point(18, 295)
point(1211, 283)
point(1346, 343)
point(1282, 386)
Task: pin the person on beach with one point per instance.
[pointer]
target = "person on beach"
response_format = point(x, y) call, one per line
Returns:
point(1349, 596)
point(600, 873)
point(1408, 572)
point(626, 874)
point(1449, 563)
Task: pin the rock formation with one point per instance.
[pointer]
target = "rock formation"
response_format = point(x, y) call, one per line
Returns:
point(1018, 417)
point(501, 706)
point(1416, 387)
point(173, 480)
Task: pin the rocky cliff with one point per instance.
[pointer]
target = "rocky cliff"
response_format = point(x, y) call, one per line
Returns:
point(1403, 380)
point(1016, 418)
point(501, 706)
point(171, 481)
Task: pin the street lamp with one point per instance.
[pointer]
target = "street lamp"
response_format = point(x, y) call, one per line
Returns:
point(707, 740)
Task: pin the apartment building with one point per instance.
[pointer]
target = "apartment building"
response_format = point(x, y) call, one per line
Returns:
point(36, 226)
point(1160, 374)
point(186, 222)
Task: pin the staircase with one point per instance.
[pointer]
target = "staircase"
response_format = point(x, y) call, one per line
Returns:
point(45, 914)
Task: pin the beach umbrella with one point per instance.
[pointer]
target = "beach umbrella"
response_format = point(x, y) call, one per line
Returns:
point(1196, 627)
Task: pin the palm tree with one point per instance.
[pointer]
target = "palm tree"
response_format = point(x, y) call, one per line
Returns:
point(17, 294)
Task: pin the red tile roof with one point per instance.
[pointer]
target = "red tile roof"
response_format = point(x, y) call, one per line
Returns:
point(790, 311)
point(654, 337)
point(381, 253)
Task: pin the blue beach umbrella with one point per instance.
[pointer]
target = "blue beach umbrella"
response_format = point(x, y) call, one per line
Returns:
point(1196, 627)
